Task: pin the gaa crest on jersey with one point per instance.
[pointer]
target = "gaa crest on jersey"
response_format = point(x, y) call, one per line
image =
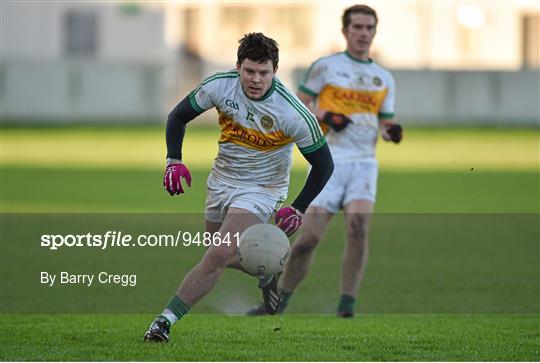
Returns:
point(230, 103)
point(267, 122)
point(377, 81)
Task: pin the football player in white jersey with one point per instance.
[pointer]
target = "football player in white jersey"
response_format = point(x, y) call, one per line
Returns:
point(260, 119)
point(353, 98)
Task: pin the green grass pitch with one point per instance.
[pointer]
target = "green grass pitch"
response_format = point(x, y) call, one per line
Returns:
point(289, 338)
point(453, 273)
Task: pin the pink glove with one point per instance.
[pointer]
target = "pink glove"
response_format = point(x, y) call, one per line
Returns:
point(288, 219)
point(173, 176)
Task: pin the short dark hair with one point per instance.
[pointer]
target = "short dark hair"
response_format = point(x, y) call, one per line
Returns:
point(258, 48)
point(362, 9)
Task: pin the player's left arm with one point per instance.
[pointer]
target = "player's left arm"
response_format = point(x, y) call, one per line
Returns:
point(289, 218)
point(390, 130)
point(322, 166)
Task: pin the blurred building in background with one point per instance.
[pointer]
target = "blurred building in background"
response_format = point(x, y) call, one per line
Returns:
point(65, 61)
point(453, 61)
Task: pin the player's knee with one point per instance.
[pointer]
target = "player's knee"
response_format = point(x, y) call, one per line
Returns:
point(306, 243)
point(358, 229)
point(219, 257)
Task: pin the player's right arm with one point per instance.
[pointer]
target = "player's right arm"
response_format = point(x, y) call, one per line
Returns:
point(311, 103)
point(174, 135)
point(176, 128)
point(201, 99)
point(336, 121)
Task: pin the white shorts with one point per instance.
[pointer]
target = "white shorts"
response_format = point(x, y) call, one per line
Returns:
point(354, 180)
point(258, 200)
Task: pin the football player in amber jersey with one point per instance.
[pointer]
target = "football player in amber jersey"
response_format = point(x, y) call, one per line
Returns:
point(353, 99)
point(260, 120)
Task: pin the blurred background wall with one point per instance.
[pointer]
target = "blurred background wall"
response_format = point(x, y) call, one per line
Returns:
point(454, 62)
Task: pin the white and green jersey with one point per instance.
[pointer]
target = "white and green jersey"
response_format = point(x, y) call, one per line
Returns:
point(361, 90)
point(255, 147)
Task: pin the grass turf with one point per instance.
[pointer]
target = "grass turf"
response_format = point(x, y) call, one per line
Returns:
point(108, 190)
point(132, 147)
point(287, 338)
point(450, 264)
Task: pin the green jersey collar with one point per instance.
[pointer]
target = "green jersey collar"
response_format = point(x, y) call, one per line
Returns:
point(358, 60)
